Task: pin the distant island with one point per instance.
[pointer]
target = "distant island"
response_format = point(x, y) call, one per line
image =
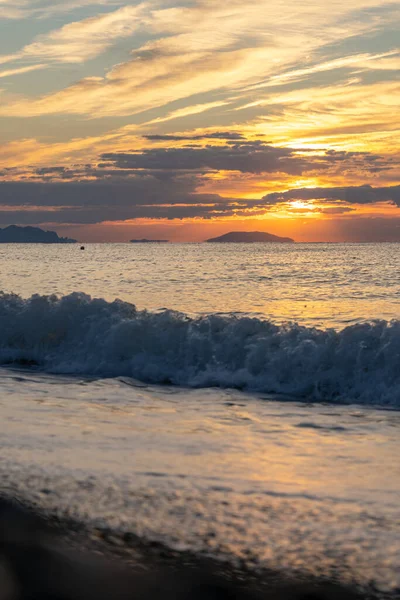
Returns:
point(145, 241)
point(13, 234)
point(249, 237)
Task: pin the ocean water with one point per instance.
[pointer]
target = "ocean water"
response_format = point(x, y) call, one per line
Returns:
point(240, 401)
point(323, 285)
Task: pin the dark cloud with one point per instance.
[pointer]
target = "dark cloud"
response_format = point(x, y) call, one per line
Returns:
point(336, 210)
point(51, 170)
point(166, 183)
point(92, 215)
point(145, 189)
point(249, 157)
point(149, 197)
point(244, 156)
point(110, 200)
point(363, 194)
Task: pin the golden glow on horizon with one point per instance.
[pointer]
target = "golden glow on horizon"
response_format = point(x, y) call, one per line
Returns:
point(219, 83)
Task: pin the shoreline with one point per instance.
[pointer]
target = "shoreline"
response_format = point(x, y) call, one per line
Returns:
point(99, 461)
point(99, 563)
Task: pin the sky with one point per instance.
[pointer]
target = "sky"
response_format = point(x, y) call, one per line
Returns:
point(184, 120)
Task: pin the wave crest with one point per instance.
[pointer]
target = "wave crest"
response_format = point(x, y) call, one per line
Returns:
point(76, 334)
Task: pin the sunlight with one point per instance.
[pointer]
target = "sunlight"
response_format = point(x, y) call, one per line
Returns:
point(301, 204)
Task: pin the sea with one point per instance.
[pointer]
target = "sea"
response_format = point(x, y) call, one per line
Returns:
point(238, 401)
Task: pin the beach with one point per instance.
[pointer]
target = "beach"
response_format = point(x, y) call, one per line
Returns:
point(199, 300)
point(258, 484)
point(255, 454)
point(45, 556)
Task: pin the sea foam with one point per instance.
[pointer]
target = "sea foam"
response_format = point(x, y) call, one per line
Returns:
point(76, 334)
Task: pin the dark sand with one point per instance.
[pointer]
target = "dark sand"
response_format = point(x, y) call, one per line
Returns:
point(45, 558)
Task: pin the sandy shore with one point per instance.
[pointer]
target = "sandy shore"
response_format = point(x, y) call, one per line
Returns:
point(44, 557)
point(139, 494)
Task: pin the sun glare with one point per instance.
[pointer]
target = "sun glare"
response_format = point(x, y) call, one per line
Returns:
point(301, 204)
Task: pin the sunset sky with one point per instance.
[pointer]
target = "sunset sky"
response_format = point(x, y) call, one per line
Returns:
point(188, 119)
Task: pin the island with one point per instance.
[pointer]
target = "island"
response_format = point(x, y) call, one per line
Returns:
point(249, 237)
point(145, 241)
point(13, 234)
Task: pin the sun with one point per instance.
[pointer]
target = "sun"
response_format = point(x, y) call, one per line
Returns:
point(300, 204)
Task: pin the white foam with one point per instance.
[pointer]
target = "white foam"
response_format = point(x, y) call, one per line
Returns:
point(76, 334)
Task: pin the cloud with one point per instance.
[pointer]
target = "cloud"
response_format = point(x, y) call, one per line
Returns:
point(336, 210)
point(20, 70)
point(253, 157)
point(334, 114)
point(142, 196)
point(217, 135)
point(81, 40)
point(155, 195)
point(197, 49)
point(11, 9)
point(363, 194)
point(286, 63)
point(149, 81)
point(246, 157)
point(139, 189)
point(365, 60)
point(187, 112)
point(20, 9)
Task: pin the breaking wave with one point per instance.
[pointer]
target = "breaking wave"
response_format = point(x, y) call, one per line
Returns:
point(76, 334)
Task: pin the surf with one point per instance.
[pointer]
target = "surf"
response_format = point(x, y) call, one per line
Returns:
point(78, 334)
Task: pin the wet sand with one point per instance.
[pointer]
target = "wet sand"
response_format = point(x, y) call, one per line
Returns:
point(266, 498)
point(44, 557)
